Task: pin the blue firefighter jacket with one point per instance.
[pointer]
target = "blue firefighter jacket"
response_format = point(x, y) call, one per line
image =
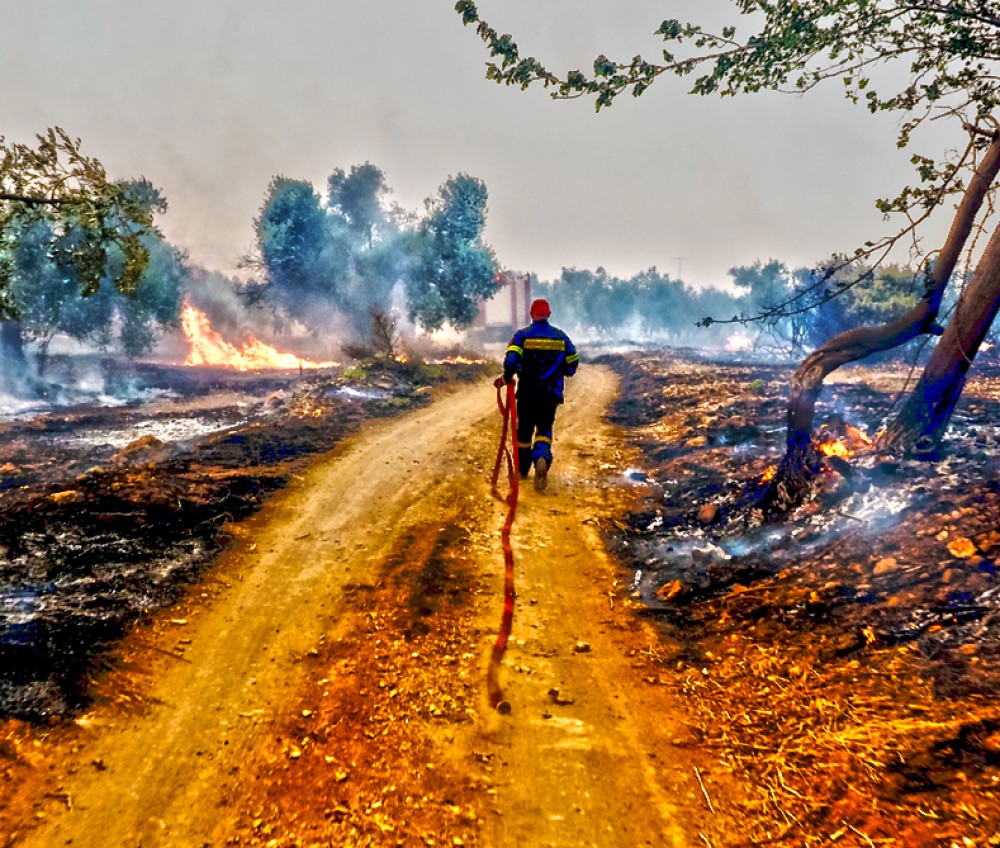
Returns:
point(541, 355)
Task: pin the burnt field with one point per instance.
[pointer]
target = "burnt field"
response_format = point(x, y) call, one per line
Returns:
point(108, 511)
point(845, 660)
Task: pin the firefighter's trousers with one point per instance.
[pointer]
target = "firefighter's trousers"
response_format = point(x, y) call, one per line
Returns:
point(536, 414)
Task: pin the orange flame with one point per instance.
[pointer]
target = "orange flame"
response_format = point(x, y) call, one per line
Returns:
point(209, 348)
point(853, 441)
point(457, 360)
point(310, 412)
point(768, 474)
point(859, 436)
point(836, 448)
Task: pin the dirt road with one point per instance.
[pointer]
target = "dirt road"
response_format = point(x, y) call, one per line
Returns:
point(326, 688)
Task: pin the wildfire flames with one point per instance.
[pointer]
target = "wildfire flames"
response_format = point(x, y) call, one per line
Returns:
point(836, 448)
point(456, 360)
point(853, 441)
point(739, 341)
point(209, 348)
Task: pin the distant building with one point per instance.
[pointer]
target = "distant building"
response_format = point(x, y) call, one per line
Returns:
point(507, 310)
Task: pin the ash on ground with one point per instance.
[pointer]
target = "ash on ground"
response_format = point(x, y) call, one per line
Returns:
point(107, 510)
point(845, 659)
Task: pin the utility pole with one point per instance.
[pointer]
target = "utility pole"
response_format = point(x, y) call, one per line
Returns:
point(680, 265)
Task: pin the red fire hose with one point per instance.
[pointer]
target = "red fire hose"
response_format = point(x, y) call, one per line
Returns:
point(508, 449)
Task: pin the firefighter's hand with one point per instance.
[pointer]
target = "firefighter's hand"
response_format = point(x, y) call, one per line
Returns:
point(498, 382)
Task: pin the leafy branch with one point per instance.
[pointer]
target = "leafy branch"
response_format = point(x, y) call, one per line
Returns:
point(88, 212)
point(951, 49)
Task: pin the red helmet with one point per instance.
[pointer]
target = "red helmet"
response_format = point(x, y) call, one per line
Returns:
point(539, 309)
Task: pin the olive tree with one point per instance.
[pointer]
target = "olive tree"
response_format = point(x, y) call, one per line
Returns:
point(96, 225)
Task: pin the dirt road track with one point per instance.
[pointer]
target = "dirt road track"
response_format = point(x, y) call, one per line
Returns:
point(604, 769)
point(602, 762)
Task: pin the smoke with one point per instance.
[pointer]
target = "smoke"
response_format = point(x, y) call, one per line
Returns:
point(219, 297)
point(648, 308)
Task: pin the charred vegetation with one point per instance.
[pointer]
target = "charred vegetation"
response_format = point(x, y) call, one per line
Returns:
point(844, 659)
point(107, 513)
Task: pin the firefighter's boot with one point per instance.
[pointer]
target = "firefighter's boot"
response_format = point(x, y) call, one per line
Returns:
point(542, 455)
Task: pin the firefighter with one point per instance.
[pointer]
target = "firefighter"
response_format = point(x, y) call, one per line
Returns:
point(541, 356)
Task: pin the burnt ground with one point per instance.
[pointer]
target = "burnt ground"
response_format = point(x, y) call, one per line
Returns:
point(108, 512)
point(845, 660)
point(842, 663)
point(348, 705)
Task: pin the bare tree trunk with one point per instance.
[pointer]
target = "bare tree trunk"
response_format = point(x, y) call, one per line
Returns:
point(922, 421)
point(11, 343)
point(13, 362)
point(800, 461)
point(42, 355)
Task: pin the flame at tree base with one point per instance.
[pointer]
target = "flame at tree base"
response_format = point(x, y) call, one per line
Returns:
point(209, 348)
point(854, 439)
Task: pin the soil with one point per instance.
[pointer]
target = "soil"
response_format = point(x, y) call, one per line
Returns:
point(682, 671)
point(845, 659)
point(102, 521)
point(323, 682)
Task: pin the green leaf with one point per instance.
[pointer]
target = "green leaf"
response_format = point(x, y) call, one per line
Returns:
point(604, 67)
point(669, 29)
point(467, 9)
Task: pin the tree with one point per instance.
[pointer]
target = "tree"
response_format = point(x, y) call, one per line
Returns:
point(87, 214)
point(649, 302)
point(46, 292)
point(39, 284)
point(357, 199)
point(155, 306)
point(453, 268)
point(301, 260)
point(603, 302)
point(767, 285)
point(950, 51)
point(924, 409)
point(345, 259)
point(356, 207)
point(663, 304)
point(887, 292)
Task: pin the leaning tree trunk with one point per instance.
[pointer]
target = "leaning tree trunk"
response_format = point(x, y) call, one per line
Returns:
point(921, 423)
point(801, 462)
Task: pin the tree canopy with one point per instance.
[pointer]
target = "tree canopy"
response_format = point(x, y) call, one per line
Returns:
point(350, 254)
point(454, 269)
point(794, 45)
point(46, 293)
point(301, 260)
point(647, 305)
point(88, 215)
point(357, 197)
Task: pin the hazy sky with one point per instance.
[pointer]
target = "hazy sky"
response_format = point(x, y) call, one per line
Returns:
point(211, 98)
